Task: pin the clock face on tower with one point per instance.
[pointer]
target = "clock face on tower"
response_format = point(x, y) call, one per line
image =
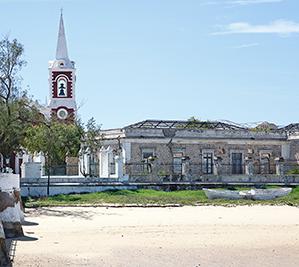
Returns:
point(62, 87)
point(62, 113)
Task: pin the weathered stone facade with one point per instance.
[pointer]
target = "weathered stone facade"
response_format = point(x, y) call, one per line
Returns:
point(174, 151)
point(72, 166)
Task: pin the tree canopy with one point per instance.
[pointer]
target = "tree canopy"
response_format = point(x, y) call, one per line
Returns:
point(55, 140)
point(265, 127)
point(22, 125)
point(17, 110)
point(92, 138)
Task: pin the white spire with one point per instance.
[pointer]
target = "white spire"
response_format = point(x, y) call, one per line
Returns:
point(61, 50)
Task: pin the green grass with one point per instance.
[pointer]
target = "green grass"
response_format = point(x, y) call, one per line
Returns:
point(151, 197)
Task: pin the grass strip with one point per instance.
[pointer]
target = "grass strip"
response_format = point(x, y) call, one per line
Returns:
point(146, 197)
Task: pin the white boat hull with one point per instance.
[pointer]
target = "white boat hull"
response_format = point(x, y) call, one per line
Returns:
point(254, 194)
point(222, 194)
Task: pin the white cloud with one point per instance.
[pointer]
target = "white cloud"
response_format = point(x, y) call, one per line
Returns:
point(251, 2)
point(210, 3)
point(281, 27)
point(246, 45)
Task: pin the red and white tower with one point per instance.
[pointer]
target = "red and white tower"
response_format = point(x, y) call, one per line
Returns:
point(62, 78)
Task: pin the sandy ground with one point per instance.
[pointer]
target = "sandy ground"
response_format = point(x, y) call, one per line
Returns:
point(186, 236)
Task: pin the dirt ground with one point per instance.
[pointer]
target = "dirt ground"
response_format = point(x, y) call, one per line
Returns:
point(185, 236)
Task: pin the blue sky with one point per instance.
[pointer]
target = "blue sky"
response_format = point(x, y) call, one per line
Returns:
point(234, 60)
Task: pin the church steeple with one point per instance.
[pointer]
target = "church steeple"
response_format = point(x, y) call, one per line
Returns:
point(62, 80)
point(61, 50)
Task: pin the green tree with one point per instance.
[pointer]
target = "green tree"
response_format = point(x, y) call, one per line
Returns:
point(17, 110)
point(13, 124)
point(91, 142)
point(55, 140)
point(193, 123)
point(265, 127)
point(92, 137)
point(11, 63)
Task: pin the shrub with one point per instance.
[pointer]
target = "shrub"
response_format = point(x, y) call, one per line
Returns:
point(293, 171)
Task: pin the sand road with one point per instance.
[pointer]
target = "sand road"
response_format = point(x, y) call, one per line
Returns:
point(186, 236)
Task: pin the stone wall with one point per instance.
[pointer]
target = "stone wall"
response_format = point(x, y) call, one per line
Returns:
point(290, 153)
point(204, 134)
point(294, 149)
point(261, 148)
point(163, 164)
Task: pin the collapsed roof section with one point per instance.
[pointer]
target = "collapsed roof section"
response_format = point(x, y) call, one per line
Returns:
point(291, 128)
point(177, 124)
point(205, 125)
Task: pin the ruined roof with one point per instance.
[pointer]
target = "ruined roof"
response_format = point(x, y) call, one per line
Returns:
point(176, 124)
point(214, 125)
point(293, 127)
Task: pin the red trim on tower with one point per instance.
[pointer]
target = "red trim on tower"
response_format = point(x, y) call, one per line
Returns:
point(70, 117)
point(65, 74)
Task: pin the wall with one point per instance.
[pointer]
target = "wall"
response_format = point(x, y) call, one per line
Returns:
point(37, 187)
point(222, 143)
point(204, 133)
point(72, 166)
point(291, 153)
point(164, 162)
point(31, 169)
point(9, 181)
point(38, 191)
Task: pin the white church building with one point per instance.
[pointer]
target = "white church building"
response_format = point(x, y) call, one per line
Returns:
point(62, 101)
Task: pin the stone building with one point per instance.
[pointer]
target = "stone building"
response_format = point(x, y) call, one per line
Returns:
point(184, 150)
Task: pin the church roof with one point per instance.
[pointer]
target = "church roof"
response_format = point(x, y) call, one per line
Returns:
point(61, 50)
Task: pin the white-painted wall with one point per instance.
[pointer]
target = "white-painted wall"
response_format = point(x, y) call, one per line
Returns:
point(105, 158)
point(8, 181)
point(31, 170)
point(42, 190)
point(126, 151)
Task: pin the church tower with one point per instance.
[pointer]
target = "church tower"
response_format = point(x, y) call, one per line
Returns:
point(62, 79)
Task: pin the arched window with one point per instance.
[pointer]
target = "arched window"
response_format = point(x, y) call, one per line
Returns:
point(62, 87)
